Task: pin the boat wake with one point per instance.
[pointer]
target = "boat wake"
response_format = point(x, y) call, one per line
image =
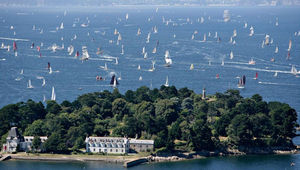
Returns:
point(272, 83)
point(13, 39)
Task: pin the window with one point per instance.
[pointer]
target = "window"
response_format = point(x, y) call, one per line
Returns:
point(105, 150)
point(110, 150)
point(94, 149)
point(116, 150)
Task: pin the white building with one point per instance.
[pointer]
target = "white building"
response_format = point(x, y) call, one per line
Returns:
point(141, 145)
point(15, 139)
point(114, 145)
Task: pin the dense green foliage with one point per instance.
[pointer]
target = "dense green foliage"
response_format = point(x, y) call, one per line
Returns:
point(175, 119)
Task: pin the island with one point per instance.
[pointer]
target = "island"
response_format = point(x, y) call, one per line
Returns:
point(154, 124)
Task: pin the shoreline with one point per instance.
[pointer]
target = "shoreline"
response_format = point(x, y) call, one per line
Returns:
point(169, 157)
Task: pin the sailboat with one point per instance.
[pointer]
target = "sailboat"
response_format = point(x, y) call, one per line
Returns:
point(148, 37)
point(216, 35)
point(143, 50)
point(256, 76)
point(119, 37)
point(226, 15)
point(120, 77)
point(77, 54)
point(290, 45)
point(155, 30)
point(44, 98)
point(167, 82)
point(168, 59)
point(231, 55)
point(127, 16)
point(222, 64)
point(242, 82)
point(44, 82)
point(15, 46)
point(192, 67)
point(193, 36)
point(85, 54)
point(294, 70)
point(61, 26)
point(204, 38)
point(145, 55)
point(276, 74)
point(138, 32)
point(50, 70)
point(139, 67)
point(267, 39)
point(251, 62)
point(53, 95)
point(22, 71)
point(140, 78)
point(114, 81)
point(217, 76)
point(276, 50)
point(117, 62)
point(70, 50)
point(154, 50)
point(251, 31)
point(245, 25)
point(29, 85)
point(115, 32)
point(153, 66)
point(234, 33)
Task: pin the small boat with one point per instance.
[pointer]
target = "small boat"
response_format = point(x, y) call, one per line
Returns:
point(14, 46)
point(155, 30)
point(153, 67)
point(29, 85)
point(127, 16)
point(117, 62)
point(275, 74)
point(114, 81)
point(192, 67)
point(245, 25)
point(217, 76)
point(234, 33)
point(204, 38)
point(242, 82)
point(251, 62)
point(140, 78)
point(168, 60)
point(145, 55)
point(143, 50)
point(84, 25)
point(251, 31)
point(276, 50)
point(256, 76)
point(167, 82)
point(53, 95)
point(139, 67)
point(222, 64)
point(290, 45)
point(193, 36)
point(85, 54)
point(22, 71)
point(70, 50)
point(77, 54)
point(226, 15)
point(50, 70)
point(119, 37)
point(44, 82)
point(61, 26)
point(138, 32)
point(267, 39)
point(294, 70)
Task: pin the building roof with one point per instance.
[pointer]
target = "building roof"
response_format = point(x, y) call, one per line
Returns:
point(13, 132)
point(138, 141)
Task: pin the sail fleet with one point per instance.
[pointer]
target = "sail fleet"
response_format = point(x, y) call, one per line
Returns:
point(152, 51)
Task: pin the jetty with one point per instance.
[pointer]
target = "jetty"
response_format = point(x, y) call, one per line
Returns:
point(135, 162)
point(5, 157)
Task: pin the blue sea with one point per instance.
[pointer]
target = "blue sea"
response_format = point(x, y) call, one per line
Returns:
point(72, 77)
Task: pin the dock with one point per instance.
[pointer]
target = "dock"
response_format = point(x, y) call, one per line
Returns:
point(135, 162)
point(5, 157)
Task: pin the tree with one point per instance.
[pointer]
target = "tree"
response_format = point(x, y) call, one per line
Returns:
point(53, 107)
point(239, 130)
point(201, 136)
point(167, 109)
point(55, 144)
point(119, 108)
point(35, 129)
point(36, 143)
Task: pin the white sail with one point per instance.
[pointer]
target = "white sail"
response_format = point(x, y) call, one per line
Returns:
point(222, 63)
point(226, 15)
point(245, 25)
point(22, 71)
point(234, 33)
point(153, 66)
point(44, 82)
point(138, 32)
point(290, 45)
point(115, 83)
point(144, 50)
point(154, 50)
point(148, 37)
point(139, 67)
point(204, 37)
point(267, 39)
point(216, 35)
point(61, 26)
point(192, 67)
point(276, 74)
point(105, 67)
point(251, 31)
point(115, 32)
point(168, 60)
point(276, 50)
point(29, 85)
point(70, 50)
point(53, 95)
point(193, 37)
point(155, 30)
point(44, 98)
point(145, 55)
point(231, 55)
point(119, 37)
point(50, 70)
point(85, 54)
point(294, 70)
point(140, 78)
point(127, 16)
point(122, 49)
point(167, 82)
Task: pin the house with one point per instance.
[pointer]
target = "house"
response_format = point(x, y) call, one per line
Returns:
point(141, 145)
point(15, 141)
point(112, 145)
point(117, 145)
